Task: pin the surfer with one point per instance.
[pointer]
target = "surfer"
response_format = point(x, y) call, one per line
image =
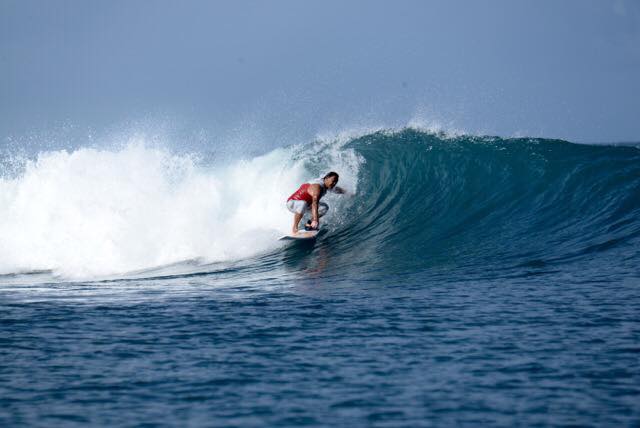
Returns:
point(307, 198)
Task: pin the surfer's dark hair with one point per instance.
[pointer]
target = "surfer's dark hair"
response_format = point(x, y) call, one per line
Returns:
point(332, 174)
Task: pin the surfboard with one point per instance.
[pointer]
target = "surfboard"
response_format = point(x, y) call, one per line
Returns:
point(301, 235)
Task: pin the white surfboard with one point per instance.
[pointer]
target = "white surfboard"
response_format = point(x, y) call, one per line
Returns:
point(301, 235)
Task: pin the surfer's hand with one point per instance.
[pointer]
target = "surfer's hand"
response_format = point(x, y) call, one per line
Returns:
point(314, 224)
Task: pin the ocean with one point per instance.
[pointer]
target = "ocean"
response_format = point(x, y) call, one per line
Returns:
point(463, 281)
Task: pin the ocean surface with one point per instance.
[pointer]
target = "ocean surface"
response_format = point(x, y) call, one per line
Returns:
point(463, 281)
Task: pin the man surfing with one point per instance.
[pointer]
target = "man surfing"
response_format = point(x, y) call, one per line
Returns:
point(307, 198)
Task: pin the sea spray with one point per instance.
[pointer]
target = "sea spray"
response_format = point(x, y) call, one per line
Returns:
point(91, 212)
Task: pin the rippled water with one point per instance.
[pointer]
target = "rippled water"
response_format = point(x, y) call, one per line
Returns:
point(401, 352)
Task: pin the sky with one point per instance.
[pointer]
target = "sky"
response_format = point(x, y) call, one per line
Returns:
point(285, 71)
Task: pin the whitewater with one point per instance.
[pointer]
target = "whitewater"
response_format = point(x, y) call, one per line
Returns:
point(465, 280)
point(91, 212)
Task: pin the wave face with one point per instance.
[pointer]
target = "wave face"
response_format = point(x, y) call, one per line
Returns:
point(480, 204)
point(423, 202)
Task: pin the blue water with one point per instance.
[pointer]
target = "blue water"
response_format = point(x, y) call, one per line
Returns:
point(469, 281)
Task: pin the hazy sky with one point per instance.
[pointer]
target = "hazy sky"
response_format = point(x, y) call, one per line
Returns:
point(293, 69)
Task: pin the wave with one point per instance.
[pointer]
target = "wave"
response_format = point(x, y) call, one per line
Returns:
point(456, 204)
point(90, 212)
point(422, 201)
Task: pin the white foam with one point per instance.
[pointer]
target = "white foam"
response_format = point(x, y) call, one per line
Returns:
point(92, 212)
point(433, 126)
point(419, 122)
